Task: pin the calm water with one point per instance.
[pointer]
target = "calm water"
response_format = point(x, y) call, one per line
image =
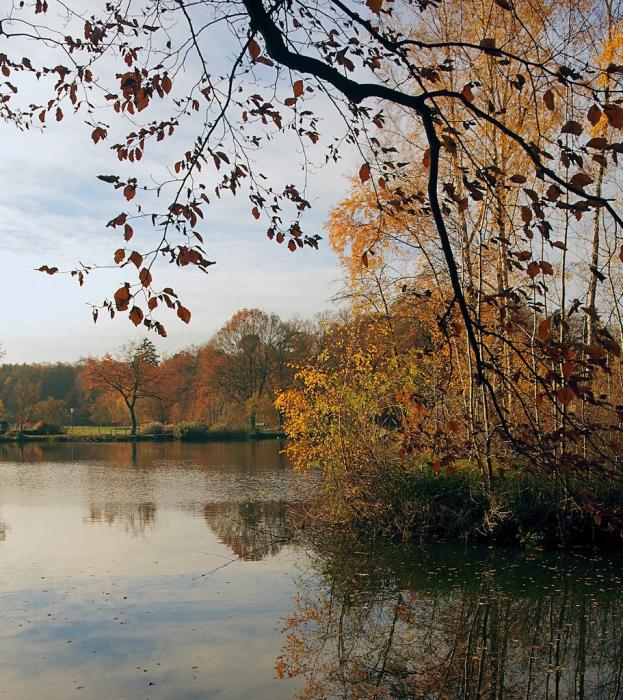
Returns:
point(168, 571)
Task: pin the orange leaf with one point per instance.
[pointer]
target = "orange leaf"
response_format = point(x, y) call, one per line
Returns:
point(298, 88)
point(122, 298)
point(136, 315)
point(119, 255)
point(145, 277)
point(183, 313)
point(136, 258)
point(254, 49)
point(364, 172)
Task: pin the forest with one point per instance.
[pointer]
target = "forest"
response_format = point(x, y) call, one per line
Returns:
point(230, 382)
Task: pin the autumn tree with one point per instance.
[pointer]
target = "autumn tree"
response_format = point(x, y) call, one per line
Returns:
point(132, 374)
point(251, 354)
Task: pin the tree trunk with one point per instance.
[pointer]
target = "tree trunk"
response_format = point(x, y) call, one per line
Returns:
point(132, 418)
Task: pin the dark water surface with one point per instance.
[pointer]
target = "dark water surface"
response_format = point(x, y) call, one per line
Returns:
point(113, 585)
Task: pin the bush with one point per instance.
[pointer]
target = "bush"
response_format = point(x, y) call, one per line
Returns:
point(155, 428)
point(42, 428)
point(190, 431)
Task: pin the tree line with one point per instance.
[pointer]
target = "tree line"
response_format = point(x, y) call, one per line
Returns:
point(231, 381)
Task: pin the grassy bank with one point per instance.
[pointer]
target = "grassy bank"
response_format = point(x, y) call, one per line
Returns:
point(519, 509)
point(181, 432)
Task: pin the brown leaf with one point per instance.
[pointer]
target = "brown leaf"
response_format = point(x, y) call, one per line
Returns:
point(145, 277)
point(49, 270)
point(364, 172)
point(621, 254)
point(544, 330)
point(119, 255)
point(256, 213)
point(136, 258)
point(152, 303)
point(581, 180)
point(565, 395)
point(59, 114)
point(364, 259)
point(136, 315)
point(504, 4)
point(614, 114)
point(533, 269)
point(128, 232)
point(167, 84)
point(594, 115)
point(183, 313)
point(468, 93)
point(291, 245)
point(572, 127)
point(297, 88)
point(254, 49)
point(129, 191)
point(546, 267)
point(122, 298)
point(375, 5)
point(548, 98)
point(426, 158)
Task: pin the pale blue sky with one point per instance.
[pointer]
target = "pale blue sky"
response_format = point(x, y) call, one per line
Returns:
point(53, 211)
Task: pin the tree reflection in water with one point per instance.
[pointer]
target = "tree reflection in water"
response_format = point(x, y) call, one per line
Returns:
point(135, 518)
point(455, 623)
point(253, 530)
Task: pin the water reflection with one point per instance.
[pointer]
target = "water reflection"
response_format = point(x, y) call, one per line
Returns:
point(103, 585)
point(135, 518)
point(452, 623)
point(253, 530)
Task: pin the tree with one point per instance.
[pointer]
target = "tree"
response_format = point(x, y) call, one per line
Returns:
point(132, 374)
point(247, 345)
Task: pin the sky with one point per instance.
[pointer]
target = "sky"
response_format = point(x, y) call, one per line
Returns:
point(53, 211)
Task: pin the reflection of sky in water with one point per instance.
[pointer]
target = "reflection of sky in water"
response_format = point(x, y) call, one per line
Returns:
point(101, 586)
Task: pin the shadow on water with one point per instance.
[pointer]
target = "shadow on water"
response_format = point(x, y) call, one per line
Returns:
point(450, 622)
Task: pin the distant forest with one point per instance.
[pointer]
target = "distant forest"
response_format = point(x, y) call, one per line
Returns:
point(231, 381)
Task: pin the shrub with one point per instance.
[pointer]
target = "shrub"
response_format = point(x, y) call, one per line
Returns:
point(190, 431)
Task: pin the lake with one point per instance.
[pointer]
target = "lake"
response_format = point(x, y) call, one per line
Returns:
point(170, 570)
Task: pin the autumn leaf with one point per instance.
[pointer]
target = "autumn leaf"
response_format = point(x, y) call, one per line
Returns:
point(119, 255)
point(122, 298)
point(136, 315)
point(364, 172)
point(548, 98)
point(129, 191)
point(544, 329)
point(504, 4)
point(621, 254)
point(565, 395)
point(145, 277)
point(136, 258)
point(572, 127)
point(183, 313)
point(298, 88)
point(375, 5)
point(581, 180)
point(49, 270)
point(594, 115)
point(128, 232)
point(614, 114)
point(254, 49)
